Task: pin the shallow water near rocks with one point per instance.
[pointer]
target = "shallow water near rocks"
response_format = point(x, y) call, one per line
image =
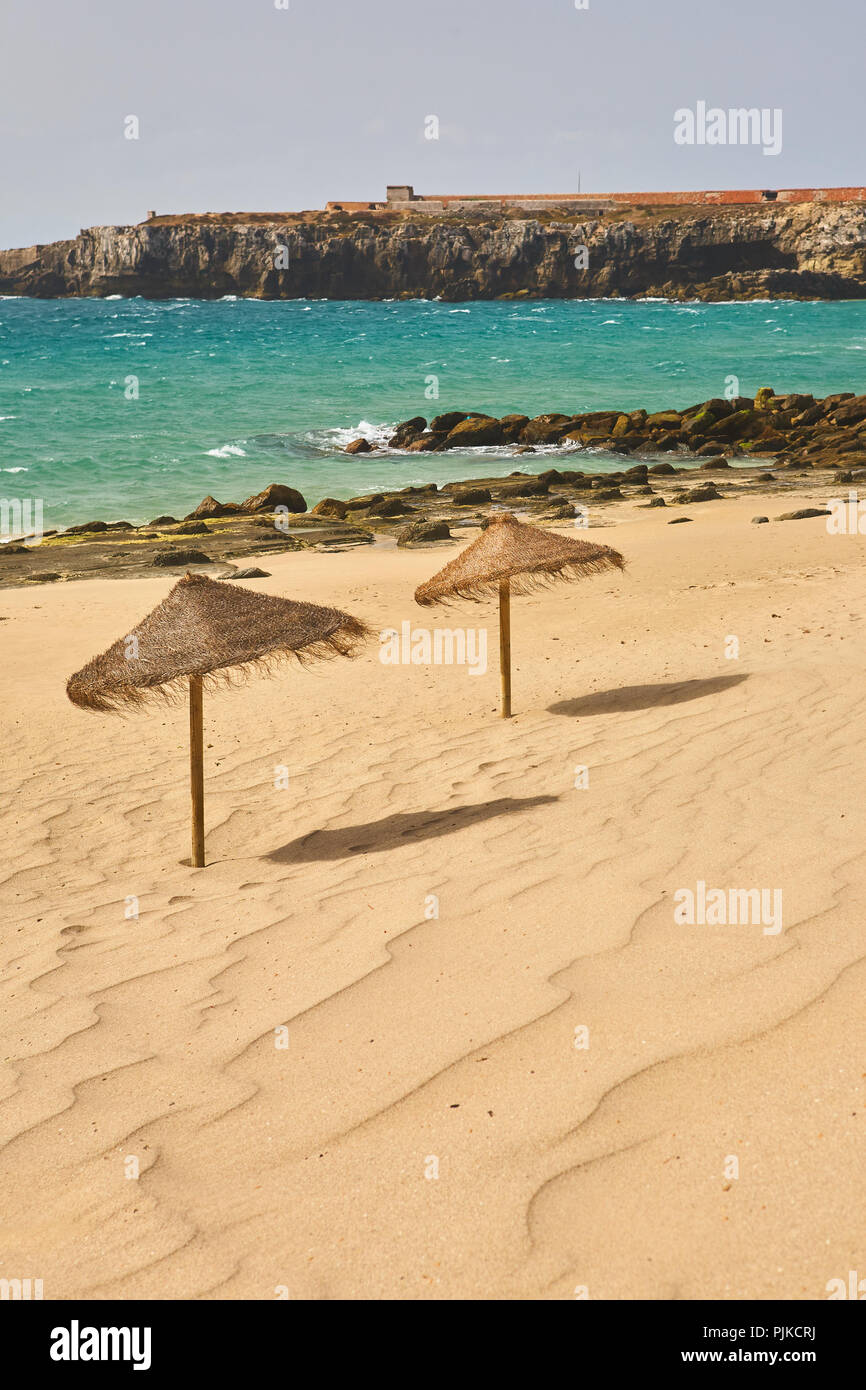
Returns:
point(234, 394)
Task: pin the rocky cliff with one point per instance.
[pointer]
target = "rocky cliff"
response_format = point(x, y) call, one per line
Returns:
point(807, 251)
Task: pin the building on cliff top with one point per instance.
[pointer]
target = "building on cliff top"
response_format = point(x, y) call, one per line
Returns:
point(401, 197)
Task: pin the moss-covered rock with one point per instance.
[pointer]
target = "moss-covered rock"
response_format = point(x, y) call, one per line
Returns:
point(705, 493)
point(527, 487)
point(427, 443)
point(356, 504)
point(740, 425)
point(513, 427)
point(472, 433)
point(332, 507)
point(442, 424)
point(420, 531)
point(471, 496)
point(210, 507)
point(390, 506)
point(546, 429)
point(273, 496)
point(701, 422)
point(166, 559)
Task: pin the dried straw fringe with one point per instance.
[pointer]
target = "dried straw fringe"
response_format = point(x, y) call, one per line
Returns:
point(521, 582)
point(113, 683)
point(347, 642)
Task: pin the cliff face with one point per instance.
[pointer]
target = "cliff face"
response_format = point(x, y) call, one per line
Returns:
point(812, 251)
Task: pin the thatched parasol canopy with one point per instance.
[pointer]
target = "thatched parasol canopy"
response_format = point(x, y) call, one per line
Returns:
point(511, 557)
point(213, 631)
point(205, 632)
point(526, 557)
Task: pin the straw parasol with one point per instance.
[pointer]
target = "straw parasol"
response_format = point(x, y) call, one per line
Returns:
point(511, 557)
point(208, 633)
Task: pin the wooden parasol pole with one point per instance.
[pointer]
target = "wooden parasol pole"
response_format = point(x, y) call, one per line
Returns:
point(196, 771)
point(505, 646)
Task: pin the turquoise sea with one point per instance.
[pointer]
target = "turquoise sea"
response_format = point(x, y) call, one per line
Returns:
point(122, 409)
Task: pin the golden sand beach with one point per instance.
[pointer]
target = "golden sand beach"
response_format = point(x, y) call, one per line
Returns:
point(426, 1026)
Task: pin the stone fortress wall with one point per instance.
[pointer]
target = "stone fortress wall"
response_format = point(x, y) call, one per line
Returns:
point(403, 198)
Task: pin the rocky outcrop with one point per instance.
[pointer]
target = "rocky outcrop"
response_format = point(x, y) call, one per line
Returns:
point(273, 496)
point(423, 531)
point(332, 507)
point(795, 428)
point(810, 250)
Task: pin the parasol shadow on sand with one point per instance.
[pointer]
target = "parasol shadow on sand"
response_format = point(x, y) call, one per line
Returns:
point(508, 558)
point(628, 698)
point(208, 633)
point(397, 830)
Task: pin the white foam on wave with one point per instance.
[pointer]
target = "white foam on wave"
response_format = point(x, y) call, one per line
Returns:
point(15, 470)
point(749, 303)
point(339, 438)
point(227, 451)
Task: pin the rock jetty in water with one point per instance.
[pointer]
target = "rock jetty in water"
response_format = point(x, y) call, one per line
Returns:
point(797, 428)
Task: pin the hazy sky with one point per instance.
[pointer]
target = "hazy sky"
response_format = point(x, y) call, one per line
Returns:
point(246, 107)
